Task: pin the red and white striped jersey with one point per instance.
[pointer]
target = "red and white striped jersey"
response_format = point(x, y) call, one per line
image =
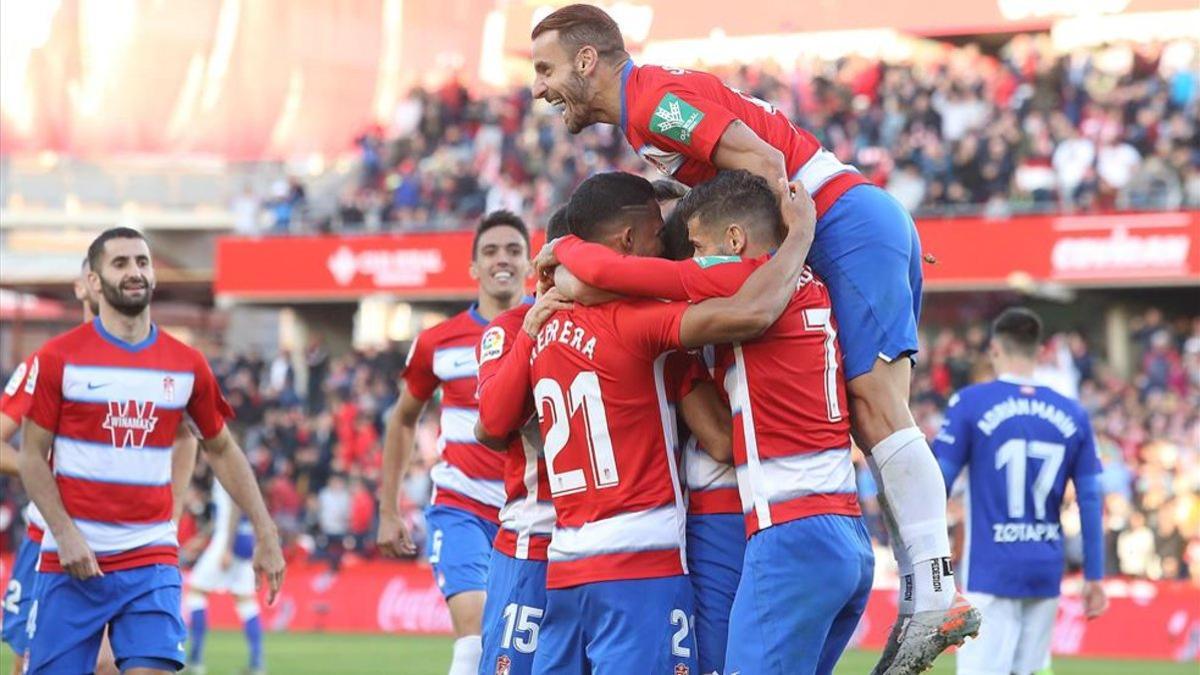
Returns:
point(114, 409)
point(674, 119)
point(786, 391)
point(712, 486)
point(467, 476)
point(14, 403)
point(791, 431)
point(527, 519)
point(600, 390)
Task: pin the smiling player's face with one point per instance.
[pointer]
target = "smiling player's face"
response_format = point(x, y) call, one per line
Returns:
point(501, 263)
point(126, 276)
point(560, 82)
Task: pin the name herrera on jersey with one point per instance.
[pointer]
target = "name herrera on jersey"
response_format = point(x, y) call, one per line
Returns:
point(1011, 407)
point(571, 335)
point(1007, 533)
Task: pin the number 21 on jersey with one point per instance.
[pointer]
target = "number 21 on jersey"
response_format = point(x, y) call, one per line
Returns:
point(583, 397)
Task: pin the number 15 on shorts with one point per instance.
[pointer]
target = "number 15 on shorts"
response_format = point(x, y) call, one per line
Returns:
point(521, 623)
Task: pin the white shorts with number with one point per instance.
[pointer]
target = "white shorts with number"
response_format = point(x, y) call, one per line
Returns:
point(208, 576)
point(1014, 638)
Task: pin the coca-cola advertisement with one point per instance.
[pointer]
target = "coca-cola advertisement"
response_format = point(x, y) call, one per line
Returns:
point(1146, 620)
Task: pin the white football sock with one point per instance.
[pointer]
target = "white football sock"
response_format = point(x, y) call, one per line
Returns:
point(917, 496)
point(467, 651)
point(903, 564)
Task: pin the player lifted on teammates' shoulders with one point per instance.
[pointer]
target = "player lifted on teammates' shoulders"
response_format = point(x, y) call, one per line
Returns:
point(866, 249)
point(468, 479)
point(1020, 443)
point(109, 398)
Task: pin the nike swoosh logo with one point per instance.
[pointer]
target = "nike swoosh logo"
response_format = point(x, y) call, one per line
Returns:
point(468, 362)
point(97, 386)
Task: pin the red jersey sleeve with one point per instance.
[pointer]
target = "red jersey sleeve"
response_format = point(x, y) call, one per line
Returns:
point(418, 370)
point(673, 116)
point(207, 407)
point(503, 356)
point(649, 327)
point(599, 266)
point(15, 401)
point(43, 384)
point(717, 276)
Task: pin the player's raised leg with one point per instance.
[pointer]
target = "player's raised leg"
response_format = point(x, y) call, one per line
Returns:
point(868, 252)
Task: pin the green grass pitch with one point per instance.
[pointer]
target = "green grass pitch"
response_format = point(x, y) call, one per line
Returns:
point(325, 654)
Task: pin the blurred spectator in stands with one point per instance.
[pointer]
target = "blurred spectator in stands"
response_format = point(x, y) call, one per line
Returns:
point(287, 204)
point(246, 208)
point(362, 513)
point(333, 515)
point(1135, 547)
point(317, 360)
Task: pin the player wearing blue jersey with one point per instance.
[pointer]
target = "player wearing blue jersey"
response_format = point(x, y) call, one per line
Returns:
point(1020, 443)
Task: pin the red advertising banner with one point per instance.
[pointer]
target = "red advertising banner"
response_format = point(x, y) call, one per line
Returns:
point(1095, 250)
point(972, 253)
point(1148, 620)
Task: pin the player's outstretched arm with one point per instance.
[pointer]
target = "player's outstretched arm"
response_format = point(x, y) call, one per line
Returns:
point(9, 457)
point(596, 265)
point(74, 554)
point(741, 148)
point(766, 293)
point(709, 420)
point(183, 463)
point(399, 441)
point(232, 469)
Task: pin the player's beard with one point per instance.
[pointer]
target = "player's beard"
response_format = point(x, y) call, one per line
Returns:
point(125, 305)
point(575, 95)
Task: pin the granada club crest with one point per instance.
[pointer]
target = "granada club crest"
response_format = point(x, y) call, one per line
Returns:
point(169, 389)
point(503, 664)
point(682, 669)
point(130, 423)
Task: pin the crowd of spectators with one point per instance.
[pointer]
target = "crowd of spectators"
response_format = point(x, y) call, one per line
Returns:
point(950, 130)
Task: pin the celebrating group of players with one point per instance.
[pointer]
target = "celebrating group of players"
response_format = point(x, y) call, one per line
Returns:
point(676, 410)
point(647, 470)
point(745, 516)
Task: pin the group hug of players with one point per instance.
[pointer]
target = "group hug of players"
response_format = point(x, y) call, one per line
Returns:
point(674, 490)
point(645, 471)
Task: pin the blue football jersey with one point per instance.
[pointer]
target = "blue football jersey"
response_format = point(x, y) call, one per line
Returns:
point(1020, 443)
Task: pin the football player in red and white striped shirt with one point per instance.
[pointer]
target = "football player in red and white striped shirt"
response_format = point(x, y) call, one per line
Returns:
point(14, 406)
point(617, 587)
point(108, 398)
point(468, 479)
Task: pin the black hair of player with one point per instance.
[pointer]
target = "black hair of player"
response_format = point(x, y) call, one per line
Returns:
point(499, 219)
point(677, 245)
point(602, 199)
point(95, 252)
point(734, 196)
point(581, 25)
point(558, 226)
point(666, 190)
point(1019, 330)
